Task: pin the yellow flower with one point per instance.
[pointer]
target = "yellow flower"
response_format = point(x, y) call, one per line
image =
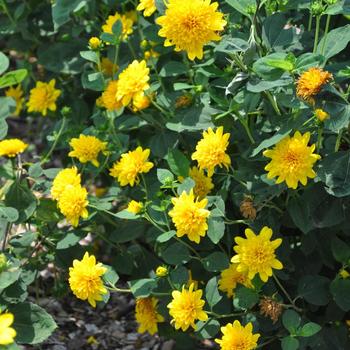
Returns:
point(109, 99)
point(190, 216)
point(161, 271)
point(108, 67)
point(256, 254)
point(187, 307)
point(147, 316)
point(7, 333)
point(95, 43)
point(292, 160)
point(229, 279)
point(134, 207)
point(321, 115)
point(131, 164)
point(344, 274)
point(66, 177)
point(127, 24)
point(85, 279)
point(140, 102)
point(11, 147)
point(43, 97)
point(131, 15)
point(189, 25)
point(72, 203)
point(311, 82)
point(237, 337)
point(147, 6)
point(87, 148)
point(133, 81)
point(151, 54)
point(203, 183)
point(17, 94)
point(211, 150)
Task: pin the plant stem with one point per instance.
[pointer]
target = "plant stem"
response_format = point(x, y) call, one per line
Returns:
point(236, 314)
point(310, 22)
point(285, 293)
point(115, 61)
point(7, 12)
point(118, 290)
point(8, 229)
point(319, 138)
point(328, 21)
point(273, 102)
point(189, 247)
point(338, 141)
point(245, 125)
point(144, 185)
point(317, 33)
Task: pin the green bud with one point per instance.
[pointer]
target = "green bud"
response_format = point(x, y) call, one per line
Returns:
point(317, 8)
point(251, 9)
point(66, 111)
point(331, 2)
point(198, 88)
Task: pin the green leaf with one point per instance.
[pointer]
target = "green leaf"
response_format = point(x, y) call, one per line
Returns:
point(179, 276)
point(32, 323)
point(35, 170)
point(117, 29)
point(178, 162)
point(207, 329)
point(216, 229)
point(109, 38)
point(279, 63)
point(172, 69)
point(4, 63)
point(9, 214)
point(300, 214)
point(10, 275)
point(110, 277)
point(340, 250)
point(142, 288)
point(166, 236)
point(242, 6)
point(309, 329)
point(308, 60)
point(314, 289)
point(186, 186)
point(175, 254)
point(216, 261)
point(70, 240)
point(126, 214)
point(62, 9)
point(289, 343)
point(164, 176)
point(340, 289)
point(211, 292)
point(245, 297)
point(12, 78)
point(291, 320)
point(89, 56)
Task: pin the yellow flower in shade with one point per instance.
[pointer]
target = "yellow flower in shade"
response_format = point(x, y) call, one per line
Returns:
point(321, 115)
point(85, 279)
point(147, 316)
point(108, 67)
point(187, 307)
point(189, 25)
point(133, 81)
point(190, 216)
point(17, 94)
point(72, 204)
point(131, 15)
point(134, 207)
point(161, 271)
point(127, 24)
point(203, 183)
point(147, 6)
point(256, 254)
point(108, 97)
point(131, 164)
point(140, 102)
point(292, 160)
point(43, 97)
point(87, 148)
point(237, 337)
point(7, 333)
point(95, 43)
point(229, 279)
point(311, 82)
point(66, 177)
point(12, 147)
point(211, 150)
point(151, 54)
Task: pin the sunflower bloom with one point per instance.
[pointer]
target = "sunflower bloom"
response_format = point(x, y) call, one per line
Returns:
point(237, 337)
point(17, 94)
point(147, 316)
point(127, 24)
point(187, 307)
point(147, 6)
point(87, 148)
point(133, 81)
point(72, 204)
point(43, 97)
point(256, 254)
point(108, 67)
point(211, 150)
point(311, 82)
point(109, 100)
point(131, 164)
point(66, 177)
point(85, 279)
point(134, 207)
point(321, 115)
point(7, 333)
point(190, 216)
point(229, 279)
point(12, 147)
point(203, 183)
point(292, 160)
point(189, 25)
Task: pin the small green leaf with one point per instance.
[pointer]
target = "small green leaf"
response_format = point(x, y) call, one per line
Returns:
point(187, 185)
point(4, 63)
point(178, 163)
point(165, 176)
point(289, 343)
point(245, 297)
point(70, 240)
point(309, 329)
point(216, 229)
point(211, 292)
point(89, 56)
point(142, 288)
point(340, 250)
point(291, 320)
point(207, 329)
point(216, 261)
point(340, 290)
point(12, 78)
point(176, 254)
point(166, 236)
point(9, 214)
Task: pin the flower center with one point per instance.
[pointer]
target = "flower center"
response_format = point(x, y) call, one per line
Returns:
point(292, 160)
point(191, 23)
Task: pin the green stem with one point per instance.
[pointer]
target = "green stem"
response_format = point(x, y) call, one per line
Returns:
point(7, 12)
point(273, 102)
point(328, 21)
point(189, 247)
point(115, 61)
point(236, 314)
point(285, 293)
point(310, 22)
point(144, 185)
point(318, 20)
point(319, 138)
point(338, 141)
point(118, 290)
point(245, 125)
point(132, 50)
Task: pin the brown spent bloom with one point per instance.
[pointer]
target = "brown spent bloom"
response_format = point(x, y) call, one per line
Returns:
point(247, 208)
point(311, 82)
point(183, 101)
point(270, 308)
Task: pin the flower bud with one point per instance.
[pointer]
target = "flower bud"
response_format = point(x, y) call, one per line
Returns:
point(321, 115)
point(95, 43)
point(161, 271)
point(247, 208)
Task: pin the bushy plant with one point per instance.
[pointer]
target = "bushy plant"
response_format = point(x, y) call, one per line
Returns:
point(200, 147)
